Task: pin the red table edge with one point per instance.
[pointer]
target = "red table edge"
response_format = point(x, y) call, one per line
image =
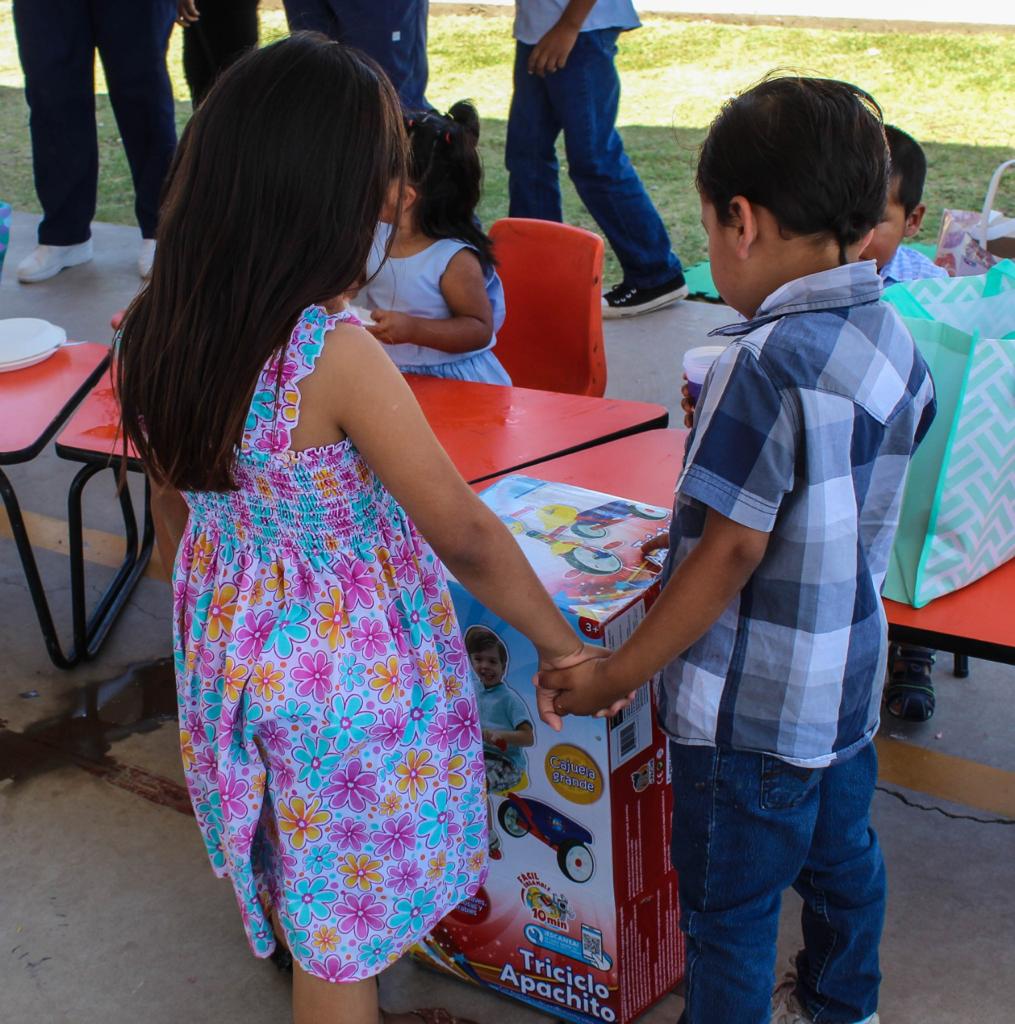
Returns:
point(29, 453)
point(659, 423)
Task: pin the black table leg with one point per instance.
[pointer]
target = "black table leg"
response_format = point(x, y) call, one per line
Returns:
point(91, 631)
point(31, 569)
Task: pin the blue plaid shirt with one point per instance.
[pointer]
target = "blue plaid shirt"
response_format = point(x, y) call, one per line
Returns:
point(804, 429)
point(909, 265)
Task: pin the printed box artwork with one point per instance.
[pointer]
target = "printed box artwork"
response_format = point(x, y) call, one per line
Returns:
point(578, 916)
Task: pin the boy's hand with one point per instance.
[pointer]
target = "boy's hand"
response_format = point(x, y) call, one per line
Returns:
point(551, 52)
point(659, 541)
point(583, 689)
point(391, 328)
point(687, 404)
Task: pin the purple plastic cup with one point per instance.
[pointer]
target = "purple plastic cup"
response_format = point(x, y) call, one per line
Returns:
point(697, 363)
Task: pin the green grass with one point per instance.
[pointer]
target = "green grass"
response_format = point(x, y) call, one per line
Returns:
point(946, 88)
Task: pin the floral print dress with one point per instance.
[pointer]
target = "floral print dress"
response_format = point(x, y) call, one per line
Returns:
point(329, 735)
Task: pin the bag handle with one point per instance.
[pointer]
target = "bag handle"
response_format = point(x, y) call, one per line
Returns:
point(988, 203)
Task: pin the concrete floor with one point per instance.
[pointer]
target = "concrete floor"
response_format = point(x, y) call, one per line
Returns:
point(109, 911)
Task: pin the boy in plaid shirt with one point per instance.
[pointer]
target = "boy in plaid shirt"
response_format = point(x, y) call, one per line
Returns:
point(770, 633)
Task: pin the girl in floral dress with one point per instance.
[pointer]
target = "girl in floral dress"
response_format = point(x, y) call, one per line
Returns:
point(329, 735)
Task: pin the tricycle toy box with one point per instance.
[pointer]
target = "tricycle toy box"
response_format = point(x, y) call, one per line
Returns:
point(578, 915)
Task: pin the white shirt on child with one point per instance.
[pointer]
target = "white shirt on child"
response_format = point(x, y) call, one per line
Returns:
point(412, 284)
point(534, 18)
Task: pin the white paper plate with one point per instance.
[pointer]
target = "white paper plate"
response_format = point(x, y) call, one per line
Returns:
point(21, 364)
point(24, 341)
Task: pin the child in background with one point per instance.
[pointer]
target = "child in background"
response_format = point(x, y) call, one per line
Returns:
point(770, 631)
point(505, 720)
point(329, 734)
point(903, 215)
point(566, 81)
point(436, 301)
point(910, 690)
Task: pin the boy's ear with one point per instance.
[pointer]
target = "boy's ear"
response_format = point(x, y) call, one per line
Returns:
point(915, 220)
point(745, 221)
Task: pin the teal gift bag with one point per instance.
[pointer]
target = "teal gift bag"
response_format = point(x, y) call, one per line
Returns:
point(5, 232)
point(957, 520)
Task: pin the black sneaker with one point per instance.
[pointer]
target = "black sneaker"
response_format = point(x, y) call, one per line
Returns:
point(627, 300)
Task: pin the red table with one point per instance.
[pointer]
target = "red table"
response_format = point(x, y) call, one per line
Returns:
point(486, 429)
point(977, 621)
point(490, 430)
point(35, 403)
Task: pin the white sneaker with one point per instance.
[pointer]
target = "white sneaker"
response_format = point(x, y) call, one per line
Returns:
point(786, 1008)
point(46, 261)
point(146, 257)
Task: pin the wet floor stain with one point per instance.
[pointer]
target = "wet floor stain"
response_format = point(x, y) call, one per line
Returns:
point(140, 700)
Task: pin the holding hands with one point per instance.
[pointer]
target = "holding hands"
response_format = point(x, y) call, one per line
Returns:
point(584, 685)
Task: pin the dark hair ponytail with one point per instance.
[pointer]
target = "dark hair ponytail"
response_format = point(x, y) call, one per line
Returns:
point(810, 150)
point(445, 168)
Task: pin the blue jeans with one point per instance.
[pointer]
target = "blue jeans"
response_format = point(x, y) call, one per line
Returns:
point(581, 100)
point(747, 826)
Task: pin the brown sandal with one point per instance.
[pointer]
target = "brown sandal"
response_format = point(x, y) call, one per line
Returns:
point(438, 1015)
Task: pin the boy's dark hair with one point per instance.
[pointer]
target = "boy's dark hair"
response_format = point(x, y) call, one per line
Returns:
point(479, 638)
point(909, 166)
point(255, 226)
point(444, 166)
point(810, 150)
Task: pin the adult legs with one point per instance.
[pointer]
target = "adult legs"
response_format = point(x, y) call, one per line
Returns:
point(132, 38)
point(843, 887)
point(311, 16)
point(226, 29)
point(530, 155)
point(742, 826)
point(585, 96)
point(393, 33)
point(57, 50)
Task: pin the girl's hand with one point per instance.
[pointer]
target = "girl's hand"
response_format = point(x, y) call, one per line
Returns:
point(687, 404)
point(187, 12)
point(391, 328)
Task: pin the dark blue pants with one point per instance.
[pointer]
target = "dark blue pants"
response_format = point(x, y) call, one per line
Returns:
point(745, 828)
point(57, 40)
point(581, 101)
point(393, 32)
point(224, 32)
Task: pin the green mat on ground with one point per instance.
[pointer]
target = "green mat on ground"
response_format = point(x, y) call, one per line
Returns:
point(701, 286)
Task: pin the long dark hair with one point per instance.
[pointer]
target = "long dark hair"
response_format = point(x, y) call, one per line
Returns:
point(270, 206)
point(445, 168)
point(812, 151)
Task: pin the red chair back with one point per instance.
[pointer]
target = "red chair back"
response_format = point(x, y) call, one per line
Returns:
point(552, 338)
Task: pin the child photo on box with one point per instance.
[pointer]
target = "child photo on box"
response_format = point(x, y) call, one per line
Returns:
point(504, 717)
